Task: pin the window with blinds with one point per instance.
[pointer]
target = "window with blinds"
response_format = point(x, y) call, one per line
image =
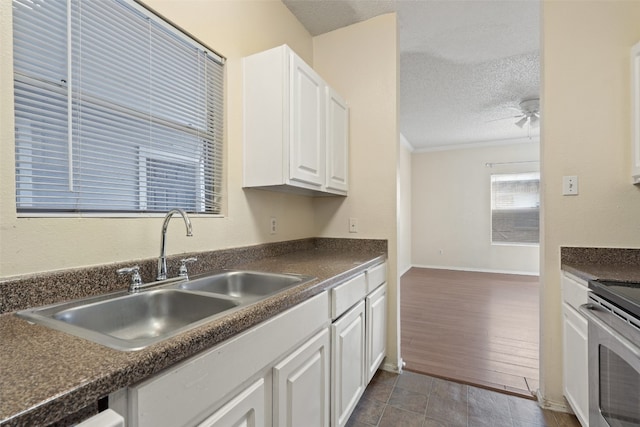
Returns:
point(515, 208)
point(115, 111)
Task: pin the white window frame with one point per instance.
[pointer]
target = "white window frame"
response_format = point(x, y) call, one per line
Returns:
point(491, 210)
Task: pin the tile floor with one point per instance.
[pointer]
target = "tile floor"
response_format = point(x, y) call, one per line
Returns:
point(412, 399)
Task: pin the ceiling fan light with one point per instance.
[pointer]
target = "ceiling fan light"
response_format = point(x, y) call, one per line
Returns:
point(535, 121)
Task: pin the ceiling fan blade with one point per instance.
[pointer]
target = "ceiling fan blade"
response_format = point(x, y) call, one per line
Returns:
point(505, 118)
point(520, 123)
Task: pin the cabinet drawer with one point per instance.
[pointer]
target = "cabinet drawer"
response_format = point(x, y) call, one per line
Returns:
point(376, 276)
point(574, 291)
point(347, 294)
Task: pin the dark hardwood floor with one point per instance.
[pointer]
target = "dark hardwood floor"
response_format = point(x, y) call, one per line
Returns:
point(475, 328)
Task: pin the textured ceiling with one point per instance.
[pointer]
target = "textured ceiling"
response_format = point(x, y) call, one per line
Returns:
point(464, 65)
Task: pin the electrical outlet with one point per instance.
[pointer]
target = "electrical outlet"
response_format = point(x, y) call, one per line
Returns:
point(570, 185)
point(353, 225)
point(274, 225)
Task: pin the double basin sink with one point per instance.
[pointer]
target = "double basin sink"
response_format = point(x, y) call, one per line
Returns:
point(132, 321)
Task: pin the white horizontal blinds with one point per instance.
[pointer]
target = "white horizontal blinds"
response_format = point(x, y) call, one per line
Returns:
point(146, 115)
point(515, 208)
point(40, 63)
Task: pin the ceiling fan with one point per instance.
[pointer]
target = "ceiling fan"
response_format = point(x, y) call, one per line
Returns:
point(529, 115)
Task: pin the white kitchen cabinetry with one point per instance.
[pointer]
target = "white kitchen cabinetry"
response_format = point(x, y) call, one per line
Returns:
point(307, 143)
point(301, 385)
point(347, 363)
point(376, 306)
point(575, 352)
point(358, 339)
point(295, 127)
point(295, 369)
point(337, 132)
point(247, 409)
point(234, 380)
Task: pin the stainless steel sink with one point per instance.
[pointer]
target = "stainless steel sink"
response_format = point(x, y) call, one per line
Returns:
point(132, 321)
point(245, 285)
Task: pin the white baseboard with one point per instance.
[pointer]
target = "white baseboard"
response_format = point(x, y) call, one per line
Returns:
point(405, 270)
point(479, 270)
point(552, 405)
point(391, 367)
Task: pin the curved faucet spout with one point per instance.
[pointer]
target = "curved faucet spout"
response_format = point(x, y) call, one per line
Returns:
point(162, 261)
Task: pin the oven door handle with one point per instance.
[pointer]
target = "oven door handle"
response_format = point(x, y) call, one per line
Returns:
point(593, 314)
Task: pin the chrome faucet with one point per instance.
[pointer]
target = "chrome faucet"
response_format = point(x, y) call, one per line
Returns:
point(162, 261)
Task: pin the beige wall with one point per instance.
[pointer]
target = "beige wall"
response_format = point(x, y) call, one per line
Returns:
point(361, 63)
point(452, 209)
point(405, 230)
point(586, 132)
point(234, 29)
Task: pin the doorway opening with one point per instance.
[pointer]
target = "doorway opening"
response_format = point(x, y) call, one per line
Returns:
point(472, 327)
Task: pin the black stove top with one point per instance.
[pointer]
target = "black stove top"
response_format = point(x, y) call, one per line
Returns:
point(625, 295)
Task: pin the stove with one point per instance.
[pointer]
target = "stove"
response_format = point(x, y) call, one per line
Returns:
point(613, 315)
point(626, 295)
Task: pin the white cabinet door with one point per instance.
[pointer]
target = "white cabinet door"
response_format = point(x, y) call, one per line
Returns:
point(376, 304)
point(245, 410)
point(337, 143)
point(575, 346)
point(301, 385)
point(347, 363)
point(307, 142)
point(575, 372)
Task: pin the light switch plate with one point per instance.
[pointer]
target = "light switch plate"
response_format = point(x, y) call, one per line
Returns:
point(570, 185)
point(353, 225)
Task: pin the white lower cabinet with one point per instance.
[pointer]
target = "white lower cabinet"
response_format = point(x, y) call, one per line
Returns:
point(232, 384)
point(301, 385)
point(295, 369)
point(245, 410)
point(347, 363)
point(574, 344)
point(358, 338)
point(376, 305)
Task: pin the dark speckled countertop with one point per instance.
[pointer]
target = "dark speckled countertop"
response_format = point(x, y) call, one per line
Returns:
point(48, 375)
point(616, 264)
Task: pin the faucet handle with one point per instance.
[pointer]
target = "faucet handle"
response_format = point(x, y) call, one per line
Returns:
point(183, 266)
point(136, 280)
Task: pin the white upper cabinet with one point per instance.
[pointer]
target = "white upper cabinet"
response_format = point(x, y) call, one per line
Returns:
point(337, 143)
point(307, 146)
point(295, 127)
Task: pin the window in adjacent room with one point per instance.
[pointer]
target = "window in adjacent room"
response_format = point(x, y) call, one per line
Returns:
point(515, 208)
point(116, 111)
